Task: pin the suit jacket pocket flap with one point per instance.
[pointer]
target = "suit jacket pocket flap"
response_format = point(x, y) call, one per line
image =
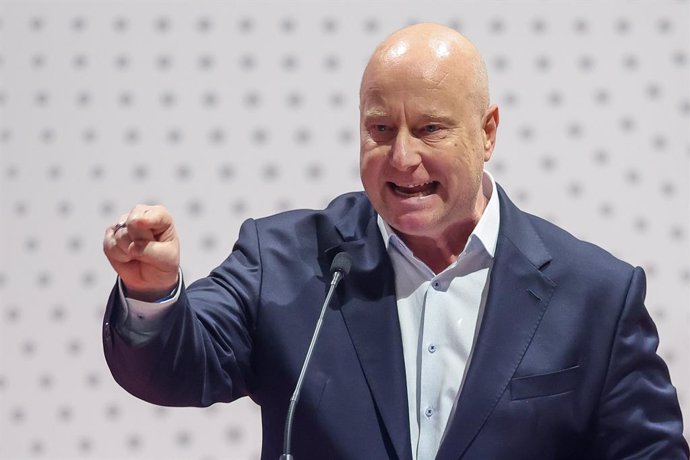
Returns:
point(553, 383)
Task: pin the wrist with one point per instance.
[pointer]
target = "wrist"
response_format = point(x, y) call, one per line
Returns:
point(150, 295)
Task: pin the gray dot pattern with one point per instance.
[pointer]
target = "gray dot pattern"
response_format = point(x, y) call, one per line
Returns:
point(222, 111)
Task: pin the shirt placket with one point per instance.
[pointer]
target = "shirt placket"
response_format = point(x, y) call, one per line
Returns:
point(430, 376)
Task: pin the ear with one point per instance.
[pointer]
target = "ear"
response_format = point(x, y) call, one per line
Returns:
point(489, 128)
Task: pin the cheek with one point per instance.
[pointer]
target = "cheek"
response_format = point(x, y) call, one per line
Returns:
point(369, 167)
point(469, 151)
point(371, 157)
point(364, 160)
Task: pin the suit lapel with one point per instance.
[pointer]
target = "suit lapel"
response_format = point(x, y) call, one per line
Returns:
point(518, 297)
point(368, 307)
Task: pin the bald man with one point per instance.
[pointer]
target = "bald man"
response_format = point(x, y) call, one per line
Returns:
point(466, 328)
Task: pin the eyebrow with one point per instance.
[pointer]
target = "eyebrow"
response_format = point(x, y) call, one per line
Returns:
point(376, 113)
point(447, 119)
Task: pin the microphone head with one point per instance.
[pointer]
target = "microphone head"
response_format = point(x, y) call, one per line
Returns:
point(342, 262)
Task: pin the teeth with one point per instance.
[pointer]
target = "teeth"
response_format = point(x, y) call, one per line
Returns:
point(414, 189)
point(414, 186)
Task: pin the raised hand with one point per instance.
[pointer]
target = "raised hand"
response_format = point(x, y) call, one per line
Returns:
point(144, 249)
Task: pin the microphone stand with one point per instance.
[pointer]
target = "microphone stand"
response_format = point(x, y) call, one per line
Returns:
point(339, 271)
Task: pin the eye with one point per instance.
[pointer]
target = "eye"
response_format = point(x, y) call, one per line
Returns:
point(432, 132)
point(381, 133)
point(431, 128)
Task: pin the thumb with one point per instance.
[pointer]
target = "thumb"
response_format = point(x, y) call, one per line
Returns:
point(164, 255)
point(150, 223)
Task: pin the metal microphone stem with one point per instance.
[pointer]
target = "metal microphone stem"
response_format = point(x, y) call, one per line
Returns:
point(337, 276)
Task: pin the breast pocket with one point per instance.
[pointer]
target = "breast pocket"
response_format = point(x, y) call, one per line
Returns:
point(553, 383)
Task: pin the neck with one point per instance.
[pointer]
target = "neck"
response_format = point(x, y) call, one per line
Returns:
point(435, 255)
point(440, 250)
point(439, 253)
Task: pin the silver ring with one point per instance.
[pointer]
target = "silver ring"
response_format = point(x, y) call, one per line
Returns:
point(119, 226)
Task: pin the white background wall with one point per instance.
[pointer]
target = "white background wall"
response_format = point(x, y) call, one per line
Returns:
point(225, 110)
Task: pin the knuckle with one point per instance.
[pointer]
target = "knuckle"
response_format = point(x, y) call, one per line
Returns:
point(137, 210)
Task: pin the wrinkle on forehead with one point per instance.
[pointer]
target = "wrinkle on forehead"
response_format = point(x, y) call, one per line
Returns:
point(439, 81)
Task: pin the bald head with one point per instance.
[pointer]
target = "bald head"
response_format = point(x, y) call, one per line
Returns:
point(434, 52)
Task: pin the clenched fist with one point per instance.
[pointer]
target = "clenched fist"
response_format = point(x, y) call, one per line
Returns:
point(144, 250)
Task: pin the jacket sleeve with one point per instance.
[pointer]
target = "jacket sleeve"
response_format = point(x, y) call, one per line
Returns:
point(639, 416)
point(202, 353)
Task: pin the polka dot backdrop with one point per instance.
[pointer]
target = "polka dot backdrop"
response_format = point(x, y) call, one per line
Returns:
point(223, 111)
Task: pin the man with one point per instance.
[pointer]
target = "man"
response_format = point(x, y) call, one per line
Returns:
point(466, 328)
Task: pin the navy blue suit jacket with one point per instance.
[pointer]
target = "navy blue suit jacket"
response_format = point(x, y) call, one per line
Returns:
point(564, 365)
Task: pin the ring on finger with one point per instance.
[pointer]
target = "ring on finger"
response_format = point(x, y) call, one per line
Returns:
point(119, 226)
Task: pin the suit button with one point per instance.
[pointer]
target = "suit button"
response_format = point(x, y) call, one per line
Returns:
point(107, 335)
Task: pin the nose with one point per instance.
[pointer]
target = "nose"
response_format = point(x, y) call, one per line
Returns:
point(404, 154)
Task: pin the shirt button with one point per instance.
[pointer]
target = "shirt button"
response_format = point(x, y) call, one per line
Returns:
point(432, 348)
point(437, 284)
point(429, 412)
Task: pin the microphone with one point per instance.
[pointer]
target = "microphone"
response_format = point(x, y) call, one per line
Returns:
point(340, 267)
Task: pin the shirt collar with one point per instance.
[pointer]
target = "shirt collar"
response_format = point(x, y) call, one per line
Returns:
point(485, 232)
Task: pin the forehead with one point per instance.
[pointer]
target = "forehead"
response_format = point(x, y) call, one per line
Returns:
point(416, 76)
point(408, 73)
point(435, 92)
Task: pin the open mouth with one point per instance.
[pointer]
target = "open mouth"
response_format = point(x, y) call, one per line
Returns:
point(414, 190)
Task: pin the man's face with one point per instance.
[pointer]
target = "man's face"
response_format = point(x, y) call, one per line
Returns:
point(423, 147)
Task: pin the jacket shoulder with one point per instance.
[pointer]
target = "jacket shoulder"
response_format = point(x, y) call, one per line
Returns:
point(588, 260)
point(547, 243)
point(345, 216)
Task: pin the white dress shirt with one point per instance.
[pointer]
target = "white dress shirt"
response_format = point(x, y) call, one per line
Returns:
point(439, 318)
